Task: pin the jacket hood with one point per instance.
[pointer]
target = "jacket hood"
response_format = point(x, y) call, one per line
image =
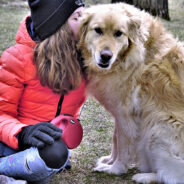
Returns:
point(23, 37)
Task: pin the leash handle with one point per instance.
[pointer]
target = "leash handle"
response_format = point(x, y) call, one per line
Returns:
point(72, 130)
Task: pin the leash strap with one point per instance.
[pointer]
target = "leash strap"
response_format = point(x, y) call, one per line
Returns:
point(59, 106)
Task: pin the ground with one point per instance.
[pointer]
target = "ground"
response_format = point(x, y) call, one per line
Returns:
point(97, 123)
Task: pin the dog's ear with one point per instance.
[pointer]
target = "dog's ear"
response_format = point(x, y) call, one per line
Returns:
point(137, 31)
point(85, 19)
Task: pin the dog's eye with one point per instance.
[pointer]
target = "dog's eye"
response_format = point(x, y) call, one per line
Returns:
point(99, 31)
point(118, 33)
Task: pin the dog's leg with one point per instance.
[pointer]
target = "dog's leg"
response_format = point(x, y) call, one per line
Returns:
point(124, 149)
point(145, 178)
point(164, 153)
point(117, 167)
point(112, 157)
point(167, 166)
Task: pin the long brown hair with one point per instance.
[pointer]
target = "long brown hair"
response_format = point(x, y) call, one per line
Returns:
point(57, 63)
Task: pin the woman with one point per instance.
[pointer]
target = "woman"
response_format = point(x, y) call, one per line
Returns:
point(40, 78)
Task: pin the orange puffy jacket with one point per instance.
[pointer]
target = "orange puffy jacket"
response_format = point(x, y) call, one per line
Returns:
point(23, 101)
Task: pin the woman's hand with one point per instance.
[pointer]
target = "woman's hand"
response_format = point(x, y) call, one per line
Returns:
point(38, 135)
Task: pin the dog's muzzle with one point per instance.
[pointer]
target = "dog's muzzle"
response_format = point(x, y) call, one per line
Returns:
point(105, 57)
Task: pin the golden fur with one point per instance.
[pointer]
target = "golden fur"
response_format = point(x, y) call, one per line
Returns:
point(57, 62)
point(135, 69)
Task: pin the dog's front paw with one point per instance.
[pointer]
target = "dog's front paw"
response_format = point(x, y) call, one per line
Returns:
point(110, 169)
point(105, 160)
point(102, 167)
point(145, 178)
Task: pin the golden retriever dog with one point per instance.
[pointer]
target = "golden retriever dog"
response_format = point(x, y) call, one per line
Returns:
point(135, 69)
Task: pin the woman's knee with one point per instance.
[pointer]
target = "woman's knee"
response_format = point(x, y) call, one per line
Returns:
point(55, 155)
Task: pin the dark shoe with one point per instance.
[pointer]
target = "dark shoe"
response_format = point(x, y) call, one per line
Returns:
point(67, 167)
point(44, 181)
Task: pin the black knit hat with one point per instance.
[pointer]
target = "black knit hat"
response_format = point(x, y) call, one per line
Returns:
point(49, 15)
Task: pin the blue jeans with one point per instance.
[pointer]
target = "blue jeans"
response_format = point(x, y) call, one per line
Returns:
point(26, 164)
point(5, 150)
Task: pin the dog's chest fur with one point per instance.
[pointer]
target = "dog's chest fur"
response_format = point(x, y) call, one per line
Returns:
point(116, 91)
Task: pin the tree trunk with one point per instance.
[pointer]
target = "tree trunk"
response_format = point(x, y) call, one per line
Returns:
point(125, 1)
point(154, 7)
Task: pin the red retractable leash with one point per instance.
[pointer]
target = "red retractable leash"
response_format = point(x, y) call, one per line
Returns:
point(72, 130)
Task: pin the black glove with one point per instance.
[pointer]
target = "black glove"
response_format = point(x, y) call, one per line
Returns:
point(38, 135)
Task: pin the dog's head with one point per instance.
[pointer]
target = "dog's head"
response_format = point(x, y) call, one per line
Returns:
point(107, 34)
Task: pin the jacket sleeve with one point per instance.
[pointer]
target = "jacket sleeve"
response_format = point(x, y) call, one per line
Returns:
point(12, 76)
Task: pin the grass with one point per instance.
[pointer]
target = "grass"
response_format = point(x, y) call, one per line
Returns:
point(176, 25)
point(97, 123)
point(11, 15)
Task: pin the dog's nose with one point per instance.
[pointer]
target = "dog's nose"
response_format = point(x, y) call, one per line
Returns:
point(106, 55)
